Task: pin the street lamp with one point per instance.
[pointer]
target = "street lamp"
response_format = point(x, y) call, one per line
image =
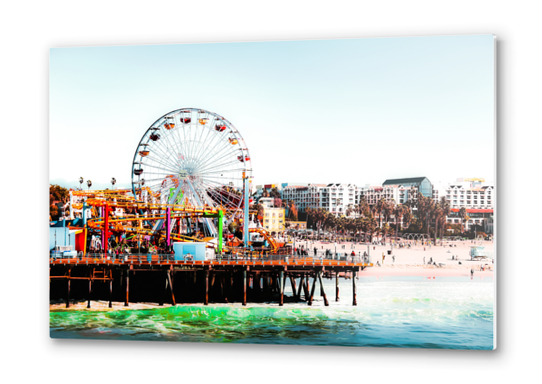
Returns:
point(113, 182)
point(89, 183)
point(81, 183)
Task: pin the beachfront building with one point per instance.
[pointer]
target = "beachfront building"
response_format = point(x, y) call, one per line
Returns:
point(464, 194)
point(479, 217)
point(303, 196)
point(411, 187)
point(389, 193)
point(273, 219)
point(439, 190)
point(397, 194)
point(335, 197)
point(476, 198)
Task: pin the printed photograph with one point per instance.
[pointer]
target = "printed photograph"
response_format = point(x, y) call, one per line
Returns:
point(315, 192)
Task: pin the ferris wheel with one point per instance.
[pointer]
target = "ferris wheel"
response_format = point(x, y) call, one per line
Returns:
point(195, 158)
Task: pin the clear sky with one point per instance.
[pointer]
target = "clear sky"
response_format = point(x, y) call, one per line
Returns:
point(353, 111)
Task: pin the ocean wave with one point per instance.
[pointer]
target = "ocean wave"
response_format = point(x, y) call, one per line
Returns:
point(394, 314)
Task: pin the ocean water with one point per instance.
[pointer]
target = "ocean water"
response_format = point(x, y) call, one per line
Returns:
point(409, 312)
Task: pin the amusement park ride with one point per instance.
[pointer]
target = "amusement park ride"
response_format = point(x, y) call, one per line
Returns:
point(190, 177)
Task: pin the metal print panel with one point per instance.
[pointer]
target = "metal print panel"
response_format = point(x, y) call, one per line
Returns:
point(326, 192)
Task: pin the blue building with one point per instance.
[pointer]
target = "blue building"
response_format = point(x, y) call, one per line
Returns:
point(422, 185)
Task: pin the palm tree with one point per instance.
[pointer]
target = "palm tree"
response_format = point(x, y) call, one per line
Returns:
point(358, 225)
point(445, 211)
point(259, 211)
point(292, 210)
point(342, 225)
point(369, 226)
point(407, 216)
point(379, 207)
point(398, 213)
point(330, 221)
point(464, 217)
point(388, 208)
point(385, 230)
point(437, 212)
point(426, 207)
point(363, 208)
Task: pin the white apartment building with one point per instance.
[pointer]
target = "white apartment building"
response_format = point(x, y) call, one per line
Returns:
point(335, 198)
point(399, 194)
point(374, 194)
point(439, 190)
point(303, 196)
point(461, 195)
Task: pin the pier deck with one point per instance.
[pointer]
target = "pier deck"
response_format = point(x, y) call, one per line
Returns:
point(226, 279)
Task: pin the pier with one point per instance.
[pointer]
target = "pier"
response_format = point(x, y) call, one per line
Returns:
point(161, 278)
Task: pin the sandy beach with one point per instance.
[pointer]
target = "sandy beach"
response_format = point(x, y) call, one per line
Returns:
point(414, 261)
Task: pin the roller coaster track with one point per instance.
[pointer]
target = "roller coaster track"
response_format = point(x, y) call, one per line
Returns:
point(267, 236)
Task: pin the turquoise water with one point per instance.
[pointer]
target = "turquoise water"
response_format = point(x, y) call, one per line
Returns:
point(452, 313)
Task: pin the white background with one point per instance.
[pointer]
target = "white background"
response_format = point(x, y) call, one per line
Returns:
point(29, 30)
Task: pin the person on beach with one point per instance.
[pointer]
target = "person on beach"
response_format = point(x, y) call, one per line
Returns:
point(393, 258)
point(471, 273)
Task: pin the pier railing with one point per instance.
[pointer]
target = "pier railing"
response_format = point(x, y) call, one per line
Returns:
point(148, 258)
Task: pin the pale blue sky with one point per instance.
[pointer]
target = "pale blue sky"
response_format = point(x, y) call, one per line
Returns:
point(358, 111)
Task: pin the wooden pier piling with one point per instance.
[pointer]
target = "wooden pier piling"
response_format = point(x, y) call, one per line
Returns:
point(89, 287)
point(281, 283)
point(301, 286)
point(126, 301)
point(206, 286)
point(69, 286)
point(245, 285)
point(354, 291)
point(326, 303)
point(170, 283)
point(313, 289)
point(111, 293)
point(336, 286)
point(294, 290)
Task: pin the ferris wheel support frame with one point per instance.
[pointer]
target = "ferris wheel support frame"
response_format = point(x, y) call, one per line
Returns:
point(245, 221)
